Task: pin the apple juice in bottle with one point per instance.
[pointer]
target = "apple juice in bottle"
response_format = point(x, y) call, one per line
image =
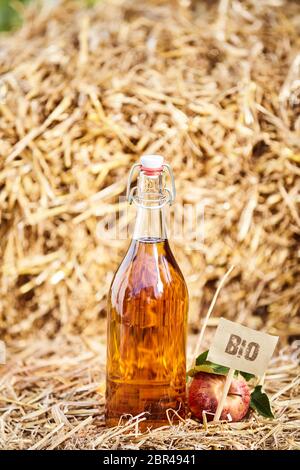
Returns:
point(147, 312)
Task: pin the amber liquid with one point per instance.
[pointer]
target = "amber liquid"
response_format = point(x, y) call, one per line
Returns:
point(146, 363)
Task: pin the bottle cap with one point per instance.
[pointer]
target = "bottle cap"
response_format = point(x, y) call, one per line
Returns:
point(151, 165)
point(152, 162)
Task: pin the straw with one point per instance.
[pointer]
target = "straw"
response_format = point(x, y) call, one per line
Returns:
point(52, 397)
point(86, 91)
point(214, 87)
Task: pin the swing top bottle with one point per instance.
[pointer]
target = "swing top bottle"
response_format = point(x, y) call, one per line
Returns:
point(147, 312)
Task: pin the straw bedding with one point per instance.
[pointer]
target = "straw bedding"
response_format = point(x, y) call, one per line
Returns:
point(52, 400)
point(213, 86)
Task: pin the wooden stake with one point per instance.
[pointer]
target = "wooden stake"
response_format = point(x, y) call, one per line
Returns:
point(210, 309)
point(262, 379)
point(221, 403)
point(2, 352)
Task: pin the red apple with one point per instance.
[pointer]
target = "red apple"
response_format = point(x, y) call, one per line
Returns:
point(205, 392)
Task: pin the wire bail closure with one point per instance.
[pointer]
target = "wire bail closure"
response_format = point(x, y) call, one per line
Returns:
point(131, 192)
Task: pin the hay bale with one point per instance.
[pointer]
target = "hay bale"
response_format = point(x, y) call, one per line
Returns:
point(85, 91)
point(214, 86)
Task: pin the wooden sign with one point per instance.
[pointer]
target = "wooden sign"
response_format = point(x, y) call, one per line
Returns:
point(241, 348)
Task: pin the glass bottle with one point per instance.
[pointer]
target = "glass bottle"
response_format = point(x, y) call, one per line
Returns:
point(147, 312)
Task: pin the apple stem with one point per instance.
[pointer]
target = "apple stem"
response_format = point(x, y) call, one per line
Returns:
point(226, 388)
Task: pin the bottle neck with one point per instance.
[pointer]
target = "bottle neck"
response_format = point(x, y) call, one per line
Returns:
point(150, 220)
point(150, 224)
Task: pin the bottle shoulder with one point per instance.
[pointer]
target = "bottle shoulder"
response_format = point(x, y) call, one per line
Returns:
point(149, 267)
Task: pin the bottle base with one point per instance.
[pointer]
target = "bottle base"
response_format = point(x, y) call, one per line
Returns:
point(156, 403)
point(143, 426)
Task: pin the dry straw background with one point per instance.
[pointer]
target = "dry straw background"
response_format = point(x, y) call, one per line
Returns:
point(213, 86)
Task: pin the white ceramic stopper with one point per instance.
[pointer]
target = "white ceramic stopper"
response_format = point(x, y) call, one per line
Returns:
point(152, 162)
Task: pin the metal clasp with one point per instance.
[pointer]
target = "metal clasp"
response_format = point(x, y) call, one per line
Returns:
point(130, 192)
